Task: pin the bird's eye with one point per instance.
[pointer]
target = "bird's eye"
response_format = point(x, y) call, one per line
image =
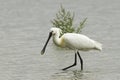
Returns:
point(53, 33)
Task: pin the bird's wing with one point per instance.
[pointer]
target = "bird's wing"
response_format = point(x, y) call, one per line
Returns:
point(78, 41)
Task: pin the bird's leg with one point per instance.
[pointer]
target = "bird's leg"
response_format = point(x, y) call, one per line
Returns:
point(73, 64)
point(81, 61)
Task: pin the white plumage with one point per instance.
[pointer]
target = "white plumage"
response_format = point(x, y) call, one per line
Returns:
point(80, 42)
point(73, 41)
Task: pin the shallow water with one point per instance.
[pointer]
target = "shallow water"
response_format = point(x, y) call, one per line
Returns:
point(24, 27)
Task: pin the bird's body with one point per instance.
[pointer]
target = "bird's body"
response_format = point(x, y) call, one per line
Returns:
point(76, 42)
point(73, 41)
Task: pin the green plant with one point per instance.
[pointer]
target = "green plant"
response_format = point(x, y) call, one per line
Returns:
point(64, 21)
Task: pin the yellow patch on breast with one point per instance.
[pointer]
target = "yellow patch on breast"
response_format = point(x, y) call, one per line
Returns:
point(62, 42)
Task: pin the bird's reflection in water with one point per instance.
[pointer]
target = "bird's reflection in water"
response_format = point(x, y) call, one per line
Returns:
point(69, 75)
point(77, 75)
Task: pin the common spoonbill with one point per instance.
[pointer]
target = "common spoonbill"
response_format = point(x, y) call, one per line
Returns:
point(73, 41)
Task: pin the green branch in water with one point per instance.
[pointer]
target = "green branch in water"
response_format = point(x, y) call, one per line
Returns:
point(81, 26)
point(64, 20)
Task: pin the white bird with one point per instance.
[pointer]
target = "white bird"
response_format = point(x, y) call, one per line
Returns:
point(73, 41)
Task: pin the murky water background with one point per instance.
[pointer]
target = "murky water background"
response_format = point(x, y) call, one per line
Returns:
point(24, 27)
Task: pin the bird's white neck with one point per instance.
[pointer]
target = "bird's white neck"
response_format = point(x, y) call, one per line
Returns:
point(57, 39)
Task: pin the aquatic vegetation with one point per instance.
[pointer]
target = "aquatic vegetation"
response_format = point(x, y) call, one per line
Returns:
point(64, 20)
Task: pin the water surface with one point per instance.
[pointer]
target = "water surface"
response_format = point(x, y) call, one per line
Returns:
point(24, 27)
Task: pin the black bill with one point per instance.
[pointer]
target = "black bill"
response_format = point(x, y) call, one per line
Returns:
point(43, 50)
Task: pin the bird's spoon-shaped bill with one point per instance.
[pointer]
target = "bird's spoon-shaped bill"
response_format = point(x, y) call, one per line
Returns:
point(43, 50)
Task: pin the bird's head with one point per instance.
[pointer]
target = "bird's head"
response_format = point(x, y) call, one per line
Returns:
point(53, 31)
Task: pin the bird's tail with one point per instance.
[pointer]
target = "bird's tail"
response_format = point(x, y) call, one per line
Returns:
point(98, 46)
